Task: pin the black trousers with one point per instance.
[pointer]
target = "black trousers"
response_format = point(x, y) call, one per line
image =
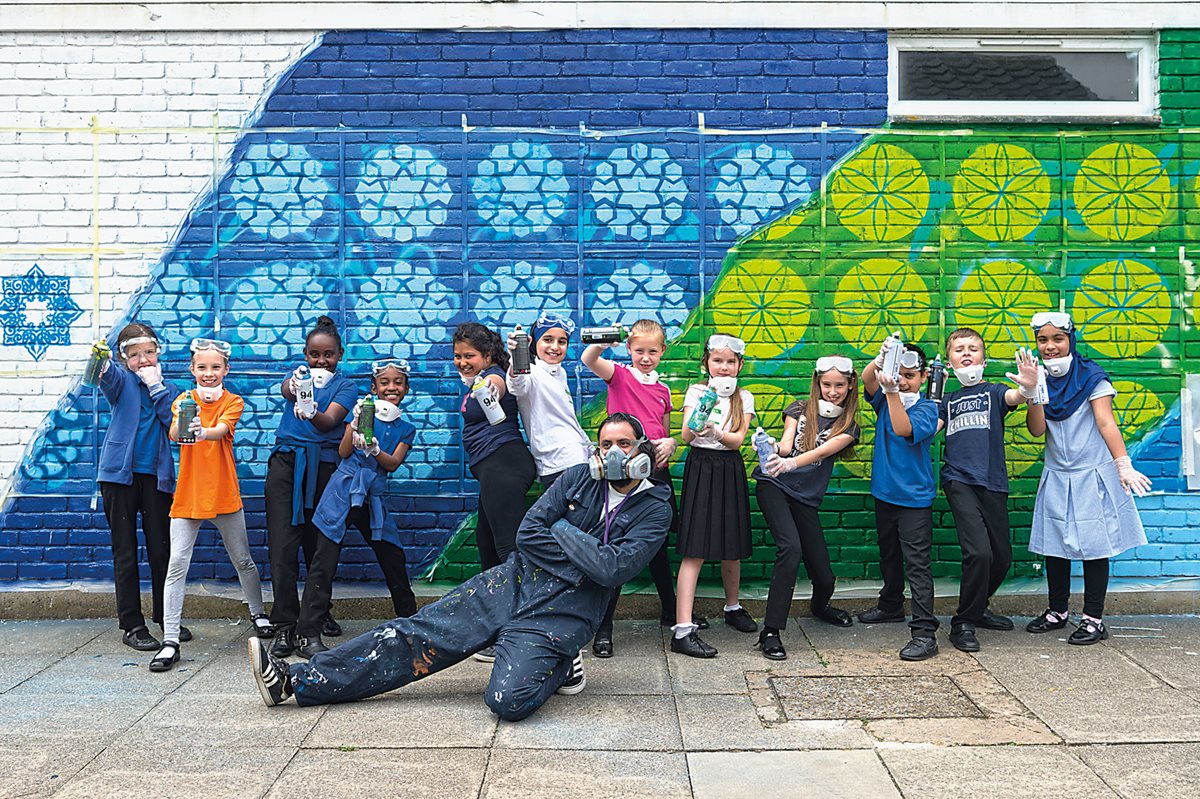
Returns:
point(318, 586)
point(905, 548)
point(504, 477)
point(122, 504)
point(660, 566)
point(284, 540)
point(796, 528)
point(1095, 585)
point(981, 518)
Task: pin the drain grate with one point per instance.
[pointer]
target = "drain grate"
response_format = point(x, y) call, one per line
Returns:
point(909, 697)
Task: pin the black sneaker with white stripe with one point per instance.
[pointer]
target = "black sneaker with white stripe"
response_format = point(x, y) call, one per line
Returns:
point(270, 672)
point(577, 681)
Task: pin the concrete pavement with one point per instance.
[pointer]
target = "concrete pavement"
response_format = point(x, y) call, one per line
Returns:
point(1030, 716)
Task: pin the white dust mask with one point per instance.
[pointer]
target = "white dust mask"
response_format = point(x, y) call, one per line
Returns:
point(646, 379)
point(210, 393)
point(828, 410)
point(386, 411)
point(909, 398)
point(1057, 367)
point(321, 377)
point(724, 386)
point(970, 375)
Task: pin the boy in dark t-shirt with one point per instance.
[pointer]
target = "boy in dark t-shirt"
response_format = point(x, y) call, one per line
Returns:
point(975, 479)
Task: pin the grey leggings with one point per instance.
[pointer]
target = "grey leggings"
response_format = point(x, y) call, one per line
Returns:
point(232, 527)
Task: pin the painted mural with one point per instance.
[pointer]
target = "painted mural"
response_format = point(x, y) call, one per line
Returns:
point(804, 241)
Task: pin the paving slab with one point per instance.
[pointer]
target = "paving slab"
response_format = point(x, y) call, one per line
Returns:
point(725, 722)
point(726, 673)
point(978, 772)
point(1153, 632)
point(178, 769)
point(625, 674)
point(597, 722)
point(516, 774)
point(58, 637)
point(873, 697)
point(36, 719)
point(404, 721)
point(1162, 771)
point(1095, 695)
point(114, 674)
point(383, 773)
point(1176, 666)
point(637, 637)
point(41, 769)
point(789, 775)
point(226, 719)
point(16, 669)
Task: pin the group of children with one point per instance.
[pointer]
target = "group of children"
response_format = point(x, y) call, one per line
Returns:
point(324, 474)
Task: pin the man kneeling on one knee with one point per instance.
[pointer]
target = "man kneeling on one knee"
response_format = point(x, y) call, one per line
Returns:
point(595, 528)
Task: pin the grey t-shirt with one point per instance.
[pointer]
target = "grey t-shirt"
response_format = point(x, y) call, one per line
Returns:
point(807, 485)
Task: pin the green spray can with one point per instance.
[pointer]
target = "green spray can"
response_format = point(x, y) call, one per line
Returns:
point(366, 420)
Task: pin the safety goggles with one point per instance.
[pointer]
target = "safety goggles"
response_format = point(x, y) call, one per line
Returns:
point(839, 362)
point(133, 342)
point(551, 319)
point(910, 359)
point(202, 344)
point(720, 341)
point(398, 363)
point(1057, 318)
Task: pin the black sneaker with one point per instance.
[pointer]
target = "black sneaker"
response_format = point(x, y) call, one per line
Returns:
point(285, 641)
point(140, 639)
point(307, 646)
point(741, 621)
point(692, 646)
point(877, 615)
point(577, 681)
point(329, 627)
point(771, 646)
point(1090, 631)
point(963, 637)
point(919, 648)
point(992, 621)
point(271, 674)
point(1045, 623)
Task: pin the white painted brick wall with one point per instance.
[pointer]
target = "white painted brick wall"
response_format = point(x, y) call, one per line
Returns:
point(130, 81)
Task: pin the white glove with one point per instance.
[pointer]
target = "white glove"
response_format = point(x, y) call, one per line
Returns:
point(664, 448)
point(776, 465)
point(360, 443)
point(883, 351)
point(354, 414)
point(196, 429)
point(1026, 377)
point(513, 345)
point(467, 381)
point(888, 385)
point(308, 417)
point(1131, 478)
point(152, 377)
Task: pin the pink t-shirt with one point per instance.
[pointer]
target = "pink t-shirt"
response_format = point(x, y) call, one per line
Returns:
point(649, 403)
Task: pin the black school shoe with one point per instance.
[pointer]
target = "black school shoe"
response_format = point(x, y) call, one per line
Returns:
point(1090, 631)
point(741, 621)
point(602, 646)
point(140, 639)
point(877, 615)
point(692, 646)
point(285, 641)
point(992, 621)
point(919, 648)
point(834, 616)
point(329, 627)
point(307, 646)
point(962, 635)
point(1044, 623)
point(167, 657)
point(771, 646)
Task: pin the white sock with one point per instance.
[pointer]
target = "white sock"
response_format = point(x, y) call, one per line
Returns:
point(729, 608)
point(684, 630)
point(1092, 619)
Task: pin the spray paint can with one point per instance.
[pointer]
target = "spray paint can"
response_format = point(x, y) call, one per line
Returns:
point(604, 334)
point(306, 401)
point(703, 409)
point(482, 392)
point(763, 445)
point(937, 379)
point(520, 356)
point(95, 364)
point(1041, 394)
point(891, 361)
point(187, 412)
point(366, 420)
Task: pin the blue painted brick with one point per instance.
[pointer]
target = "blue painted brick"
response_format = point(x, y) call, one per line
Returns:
point(345, 69)
point(688, 35)
point(365, 52)
point(840, 36)
point(42, 571)
point(835, 67)
point(688, 68)
point(1136, 568)
point(788, 36)
point(8, 571)
point(345, 37)
point(466, 52)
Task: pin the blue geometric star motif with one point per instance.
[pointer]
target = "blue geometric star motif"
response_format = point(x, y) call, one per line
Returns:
point(756, 183)
point(403, 193)
point(520, 189)
point(36, 311)
point(637, 292)
point(517, 294)
point(639, 192)
point(277, 189)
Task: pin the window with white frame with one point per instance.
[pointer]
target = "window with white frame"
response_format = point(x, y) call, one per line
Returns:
point(1022, 77)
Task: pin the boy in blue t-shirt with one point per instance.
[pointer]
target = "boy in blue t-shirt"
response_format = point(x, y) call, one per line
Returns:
point(903, 488)
point(975, 479)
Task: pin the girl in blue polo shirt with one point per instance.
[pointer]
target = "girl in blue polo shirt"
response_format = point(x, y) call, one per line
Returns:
point(354, 496)
point(137, 475)
point(304, 458)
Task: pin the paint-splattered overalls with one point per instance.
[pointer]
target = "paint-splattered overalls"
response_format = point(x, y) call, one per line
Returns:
point(538, 608)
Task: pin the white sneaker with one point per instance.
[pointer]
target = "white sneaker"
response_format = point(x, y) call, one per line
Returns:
point(486, 655)
point(577, 681)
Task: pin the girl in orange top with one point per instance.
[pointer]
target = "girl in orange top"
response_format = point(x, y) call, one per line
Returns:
point(207, 488)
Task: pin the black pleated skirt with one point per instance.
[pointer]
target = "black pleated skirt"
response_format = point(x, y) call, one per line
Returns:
point(714, 520)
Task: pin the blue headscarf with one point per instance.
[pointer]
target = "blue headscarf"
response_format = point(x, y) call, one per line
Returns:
point(1074, 388)
point(551, 320)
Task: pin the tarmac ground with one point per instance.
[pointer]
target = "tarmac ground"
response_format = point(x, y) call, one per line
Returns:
point(1028, 716)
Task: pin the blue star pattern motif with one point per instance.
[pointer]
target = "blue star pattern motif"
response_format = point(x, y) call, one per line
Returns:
point(639, 292)
point(515, 295)
point(266, 313)
point(520, 189)
point(756, 183)
point(399, 311)
point(277, 190)
point(61, 441)
point(37, 311)
point(403, 192)
point(638, 192)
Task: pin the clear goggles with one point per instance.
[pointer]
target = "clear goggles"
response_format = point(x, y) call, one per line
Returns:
point(551, 319)
point(720, 341)
point(133, 342)
point(838, 362)
point(910, 359)
point(1057, 318)
point(203, 344)
point(398, 363)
